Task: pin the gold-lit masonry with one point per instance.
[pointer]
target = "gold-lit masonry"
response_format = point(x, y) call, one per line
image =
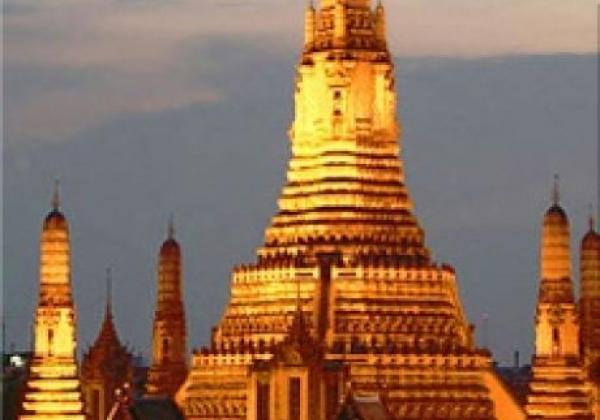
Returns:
point(343, 305)
point(589, 306)
point(169, 335)
point(558, 389)
point(344, 261)
point(53, 386)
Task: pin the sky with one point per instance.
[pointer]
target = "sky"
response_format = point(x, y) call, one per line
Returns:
point(146, 107)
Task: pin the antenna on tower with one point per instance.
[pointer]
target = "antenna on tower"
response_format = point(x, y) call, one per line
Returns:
point(591, 221)
point(556, 190)
point(171, 226)
point(108, 291)
point(55, 203)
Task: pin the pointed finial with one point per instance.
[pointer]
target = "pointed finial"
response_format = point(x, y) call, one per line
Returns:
point(55, 195)
point(591, 221)
point(556, 190)
point(171, 227)
point(108, 291)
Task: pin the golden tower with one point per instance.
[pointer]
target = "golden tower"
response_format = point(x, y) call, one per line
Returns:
point(557, 389)
point(106, 366)
point(590, 311)
point(53, 387)
point(169, 367)
point(346, 249)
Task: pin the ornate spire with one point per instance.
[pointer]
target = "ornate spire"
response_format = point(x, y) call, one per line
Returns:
point(557, 384)
point(55, 203)
point(53, 388)
point(169, 337)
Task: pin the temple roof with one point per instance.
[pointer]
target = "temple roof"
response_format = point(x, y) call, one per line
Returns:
point(107, 346)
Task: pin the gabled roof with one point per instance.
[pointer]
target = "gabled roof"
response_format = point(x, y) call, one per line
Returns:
point(107, 352)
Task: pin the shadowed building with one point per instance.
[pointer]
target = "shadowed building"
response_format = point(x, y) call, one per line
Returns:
point(346, 249)
point(106, 366)
point(557, 388)
point(169, 349)
point(590, 311)
point(363, 407)
point(53, 387)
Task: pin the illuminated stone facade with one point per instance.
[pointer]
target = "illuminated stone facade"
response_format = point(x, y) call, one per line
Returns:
point(169, 348)
point(346, 251)
point(590, 311)
point(106, 367)
point(53, 388)
point(558, 388)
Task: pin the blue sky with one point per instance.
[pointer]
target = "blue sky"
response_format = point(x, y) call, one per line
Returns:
point(143, 107)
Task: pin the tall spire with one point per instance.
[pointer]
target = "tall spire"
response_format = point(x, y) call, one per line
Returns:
point(591, 220)
point(342, 191)
point(169, 336)
point(558, 380)
point(55, 203)
point(53, 387)
point(589, 265)
point(556, 190)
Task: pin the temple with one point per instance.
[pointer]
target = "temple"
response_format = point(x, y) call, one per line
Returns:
point(169, 339)
point(107, 366)
point(343, 314)
point(345, 259)
point(589, 306)
point(558, 388)
point(53, 389)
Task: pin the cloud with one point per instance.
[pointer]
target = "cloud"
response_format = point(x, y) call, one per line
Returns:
point(118, 57)
point(481, 28)
point(60, 112)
